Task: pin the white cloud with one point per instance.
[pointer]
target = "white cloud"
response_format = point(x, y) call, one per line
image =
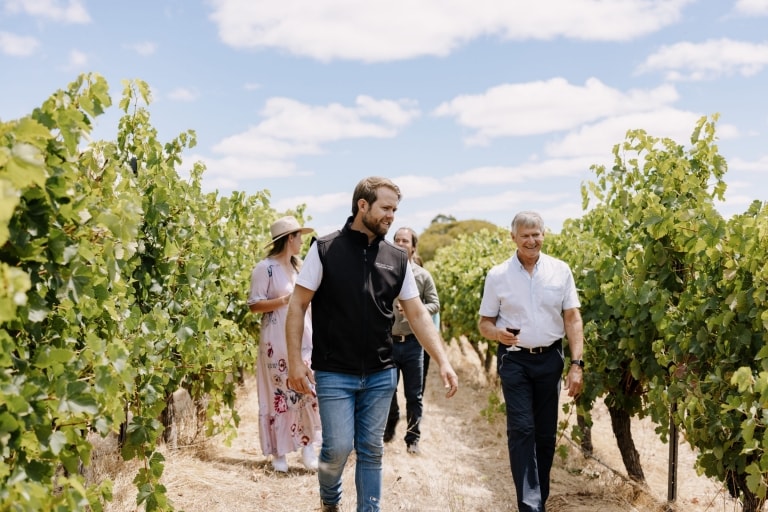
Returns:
point(72, 11)
point(143, 48)
point(759, 165)
point(509, 200)
point(17, 46)
point(322, 203)
point(183, 94)
point(547, 106)
point(385, 30)
point(77, 61)
point(414, 186)
point(708, 60)
point(525, 172)
point(289, 119)
point(752, 7)
point(233, 173)
point(291, 128)
point(256, 144)
point(599, 138)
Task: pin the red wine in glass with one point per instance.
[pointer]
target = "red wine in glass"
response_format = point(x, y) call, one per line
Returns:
point(513, 330)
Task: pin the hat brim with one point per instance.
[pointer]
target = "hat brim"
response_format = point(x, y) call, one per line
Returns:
point(303, 231)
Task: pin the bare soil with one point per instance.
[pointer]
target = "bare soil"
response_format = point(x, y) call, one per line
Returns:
point(463, 466)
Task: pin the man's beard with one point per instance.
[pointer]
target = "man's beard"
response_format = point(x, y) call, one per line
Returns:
point(374, 227)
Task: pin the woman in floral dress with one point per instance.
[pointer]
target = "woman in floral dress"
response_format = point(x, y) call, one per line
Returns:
point(288, 421)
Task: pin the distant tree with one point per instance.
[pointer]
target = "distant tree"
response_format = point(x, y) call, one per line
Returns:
point(442, 219)
point(444, 230)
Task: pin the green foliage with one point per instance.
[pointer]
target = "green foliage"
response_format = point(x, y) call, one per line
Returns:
point(443, 231)
point(459, 272)
point(495, 409)
point(122, 285)
point(673, 300)
point(722, 390)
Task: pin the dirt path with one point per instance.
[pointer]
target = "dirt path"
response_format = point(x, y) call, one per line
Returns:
point(463, 467)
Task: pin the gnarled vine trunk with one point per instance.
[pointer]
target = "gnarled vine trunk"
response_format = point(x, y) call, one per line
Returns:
point(622, 429)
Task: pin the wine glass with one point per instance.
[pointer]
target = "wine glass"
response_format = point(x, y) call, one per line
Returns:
point(515, 321)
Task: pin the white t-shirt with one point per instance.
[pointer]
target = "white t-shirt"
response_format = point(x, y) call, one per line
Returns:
point(312, 274)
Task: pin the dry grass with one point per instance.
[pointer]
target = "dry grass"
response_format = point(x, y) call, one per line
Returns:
point(463, 466)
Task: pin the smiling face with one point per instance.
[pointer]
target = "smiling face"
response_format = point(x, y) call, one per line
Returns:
point(376, 218)
point(529, 242)
point(528, 234)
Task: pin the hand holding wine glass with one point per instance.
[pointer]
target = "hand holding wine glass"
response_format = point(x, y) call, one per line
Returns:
point(514, 329)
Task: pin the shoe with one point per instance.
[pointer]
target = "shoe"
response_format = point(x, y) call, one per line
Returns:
point(413, 448)
point(309, 457)
point(280, 464)
point(326, 507)
point(389, 435)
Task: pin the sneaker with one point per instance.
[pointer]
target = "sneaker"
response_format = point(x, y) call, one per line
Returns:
point(326, 507)
point(413, 448)
point(280, 464)
point(309, 457)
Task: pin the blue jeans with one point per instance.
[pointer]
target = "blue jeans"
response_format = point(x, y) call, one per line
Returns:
point(409, 358)
point(531, 386)
point(353, 411)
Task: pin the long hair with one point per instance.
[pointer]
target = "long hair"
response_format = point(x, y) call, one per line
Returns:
point(279, 246)
point(367, 187)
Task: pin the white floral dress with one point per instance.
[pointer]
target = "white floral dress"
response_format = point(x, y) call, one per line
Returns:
point(287, 420)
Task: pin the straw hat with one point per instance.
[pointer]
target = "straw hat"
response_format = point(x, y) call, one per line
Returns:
point(285, 226)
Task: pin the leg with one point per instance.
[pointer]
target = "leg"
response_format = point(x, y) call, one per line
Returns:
point(413, 373)
point(546, 399)
point(371, 409)
point(521, 442)
point(336, 400)
point(392, 418)
point(394, 408)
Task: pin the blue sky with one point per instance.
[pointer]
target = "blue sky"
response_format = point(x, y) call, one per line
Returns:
point(475, 108)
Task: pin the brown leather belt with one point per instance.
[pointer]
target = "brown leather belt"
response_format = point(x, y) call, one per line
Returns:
point(539, 350)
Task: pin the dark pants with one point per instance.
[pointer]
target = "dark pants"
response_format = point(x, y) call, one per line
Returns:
point(409, 358)
point(531, 386)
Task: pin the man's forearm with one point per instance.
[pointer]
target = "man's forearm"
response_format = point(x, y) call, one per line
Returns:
point(294, 328)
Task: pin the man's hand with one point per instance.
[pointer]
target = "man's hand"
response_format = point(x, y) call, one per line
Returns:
point(574, 382)
point(450, 380)
point(301, 379)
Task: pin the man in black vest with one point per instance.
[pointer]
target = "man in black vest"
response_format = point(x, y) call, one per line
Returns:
point(352, 278)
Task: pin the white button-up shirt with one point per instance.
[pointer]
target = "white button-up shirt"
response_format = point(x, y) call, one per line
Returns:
point(534, 303)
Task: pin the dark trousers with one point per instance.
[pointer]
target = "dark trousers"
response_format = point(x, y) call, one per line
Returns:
point(409, 358)
point(531, 387)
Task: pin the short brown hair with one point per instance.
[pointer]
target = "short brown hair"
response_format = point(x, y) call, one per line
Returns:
point(367, 187)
